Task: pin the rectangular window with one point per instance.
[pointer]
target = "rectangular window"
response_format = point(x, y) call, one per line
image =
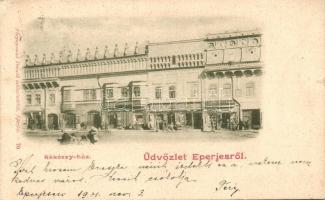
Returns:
point(136, 91)
point(28, 99)
point(213, 91)
point(52, 99)
point(227, 90)
point(194, 90)
point(109, 93)
point(158, 92)
point(125, 92)
point(90, 94)
point(66, 95)
point(38, 99)
point(172, 92)
point(250, 87)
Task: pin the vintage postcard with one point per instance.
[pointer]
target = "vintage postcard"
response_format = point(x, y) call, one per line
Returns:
point(162, 100)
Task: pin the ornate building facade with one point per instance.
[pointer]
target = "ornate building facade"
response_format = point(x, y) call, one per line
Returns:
point(198, 84)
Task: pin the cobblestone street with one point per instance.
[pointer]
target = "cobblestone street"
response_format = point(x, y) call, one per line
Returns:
point(116, 135)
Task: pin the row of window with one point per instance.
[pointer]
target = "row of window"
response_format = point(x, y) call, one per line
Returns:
point(36, 99)
point(226, 90)
point(178, 57)
point(90, 94)
point(180, 64)
point(193, 87)
point(194, 93)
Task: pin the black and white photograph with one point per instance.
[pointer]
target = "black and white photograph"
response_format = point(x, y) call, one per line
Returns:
point(202, 83)
point(175, 99)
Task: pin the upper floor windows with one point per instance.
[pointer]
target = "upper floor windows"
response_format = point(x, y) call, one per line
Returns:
point(250, 89)
point(172, 92)
point(29, 99)
point(125, 92)
point(213, 90)
point(227, 90)
point(66, 95)
point(52, 98)
point(158, 91)
point(194, 90)
point(109, 92)
point(136, 91)
point(37, 99)
point(89, 94)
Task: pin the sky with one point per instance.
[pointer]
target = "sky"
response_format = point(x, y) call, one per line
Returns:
point(52, 35)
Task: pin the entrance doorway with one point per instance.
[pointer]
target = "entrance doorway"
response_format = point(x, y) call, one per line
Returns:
point(252, 119)
point(70, 120)
point(94, 119)
point(225, 120)
point(53, 122)
point(197, 120)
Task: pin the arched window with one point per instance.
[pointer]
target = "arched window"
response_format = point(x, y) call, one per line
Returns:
point(172, 92)
point(250, 87)
point(136, 91)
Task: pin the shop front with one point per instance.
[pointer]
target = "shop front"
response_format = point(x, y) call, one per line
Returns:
point(221, 115)
point(34, 120)
point(175, 115)
point(69, 120)
point(252, 118)
point(53, 121)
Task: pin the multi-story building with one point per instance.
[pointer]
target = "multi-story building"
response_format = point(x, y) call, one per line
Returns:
point(201, 84)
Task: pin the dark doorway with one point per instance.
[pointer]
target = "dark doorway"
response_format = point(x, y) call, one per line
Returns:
point(225, 120)
point(112, 120)
point(94, 119)
point(53, 123)
point(189, 119)
point(256, 122)
point(160, 121)
point(70, 120)
point(171, 118)
point(197, 120)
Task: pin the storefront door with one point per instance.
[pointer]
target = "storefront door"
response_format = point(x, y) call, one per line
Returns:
point(53, 123)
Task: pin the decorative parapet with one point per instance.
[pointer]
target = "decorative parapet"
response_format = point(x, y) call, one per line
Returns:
point(109, 65)
point(65, 57)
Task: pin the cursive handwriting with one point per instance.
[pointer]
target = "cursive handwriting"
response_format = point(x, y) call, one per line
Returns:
point(23, 193)
point(50, 179)
point(227, 186)
point(22, 167)
point(180, 178)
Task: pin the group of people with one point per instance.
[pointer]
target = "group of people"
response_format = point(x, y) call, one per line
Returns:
point(236, 124)
point(68, 138)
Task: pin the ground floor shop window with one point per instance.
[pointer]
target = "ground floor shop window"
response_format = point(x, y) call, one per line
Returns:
point(193, 120)
point(252, 119)
point(34, 120)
